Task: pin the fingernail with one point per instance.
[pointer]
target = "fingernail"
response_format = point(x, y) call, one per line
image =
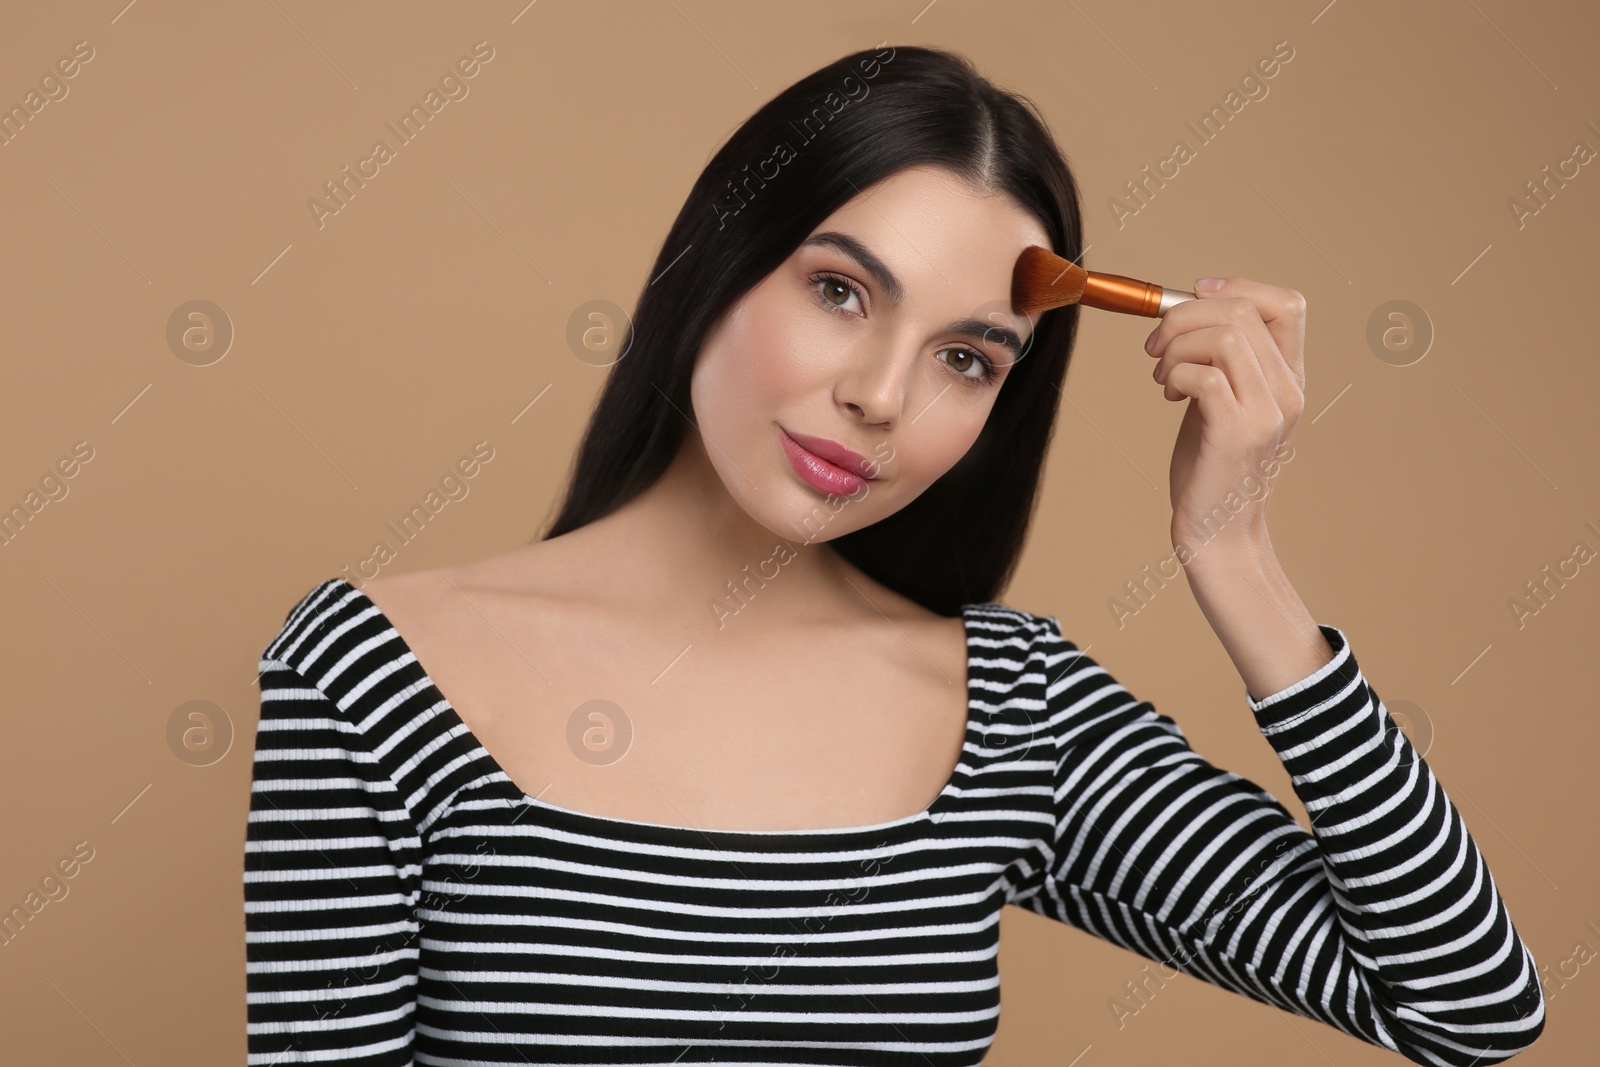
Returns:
point(1206, 285)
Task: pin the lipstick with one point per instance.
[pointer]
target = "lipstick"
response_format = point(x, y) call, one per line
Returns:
point(825, 465)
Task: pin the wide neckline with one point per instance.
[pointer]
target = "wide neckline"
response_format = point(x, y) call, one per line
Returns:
point(666, 830)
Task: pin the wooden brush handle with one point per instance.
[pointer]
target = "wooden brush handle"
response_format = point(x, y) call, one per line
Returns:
point(1115, 292)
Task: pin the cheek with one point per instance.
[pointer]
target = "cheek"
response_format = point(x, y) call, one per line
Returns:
point(925, 456)
point(759, 363)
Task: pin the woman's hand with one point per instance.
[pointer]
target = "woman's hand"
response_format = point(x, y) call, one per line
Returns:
point(1238, 353)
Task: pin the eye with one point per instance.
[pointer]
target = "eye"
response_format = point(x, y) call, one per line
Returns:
point(985, 369)
point(828, 286)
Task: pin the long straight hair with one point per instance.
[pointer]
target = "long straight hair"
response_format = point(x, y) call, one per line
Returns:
point(830, 135)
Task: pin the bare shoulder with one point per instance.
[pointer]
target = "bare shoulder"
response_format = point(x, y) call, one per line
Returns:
point(403, 597)
point(424, 602)
point(910, 634)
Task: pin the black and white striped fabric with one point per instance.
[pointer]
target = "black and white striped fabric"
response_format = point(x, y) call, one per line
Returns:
point(406, 902)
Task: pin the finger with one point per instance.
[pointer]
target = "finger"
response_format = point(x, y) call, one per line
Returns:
point(1208, 386)
point(1282, 311)
point(1287, 384)
point(1226, 347)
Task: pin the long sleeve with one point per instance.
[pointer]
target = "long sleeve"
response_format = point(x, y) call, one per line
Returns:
point(1383, 922)
point(331, 881)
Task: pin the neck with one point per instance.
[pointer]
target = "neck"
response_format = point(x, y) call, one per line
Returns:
point(684, 539)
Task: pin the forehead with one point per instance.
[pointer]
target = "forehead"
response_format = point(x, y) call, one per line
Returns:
point(952, 248)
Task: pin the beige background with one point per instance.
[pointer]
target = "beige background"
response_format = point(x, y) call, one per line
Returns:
point(369, 354)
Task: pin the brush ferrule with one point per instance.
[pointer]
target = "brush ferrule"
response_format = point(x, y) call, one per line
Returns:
point(1171, 298)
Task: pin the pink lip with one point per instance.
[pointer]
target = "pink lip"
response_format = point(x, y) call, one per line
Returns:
point(823, 464)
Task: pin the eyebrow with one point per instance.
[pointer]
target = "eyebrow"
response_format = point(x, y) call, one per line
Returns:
point(975, 329)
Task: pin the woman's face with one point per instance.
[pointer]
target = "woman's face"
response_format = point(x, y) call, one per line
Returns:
point(884, 334)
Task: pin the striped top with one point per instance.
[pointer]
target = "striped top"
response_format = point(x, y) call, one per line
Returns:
point(406, 902)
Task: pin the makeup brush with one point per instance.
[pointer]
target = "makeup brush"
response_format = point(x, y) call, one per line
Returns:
point(1043, 280)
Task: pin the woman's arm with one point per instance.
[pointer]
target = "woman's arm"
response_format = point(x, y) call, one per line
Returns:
point(1259, 618)
point(331, 880)
point(1384, 922)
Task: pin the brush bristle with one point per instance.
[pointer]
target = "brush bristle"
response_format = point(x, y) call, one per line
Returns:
point(1043, 280)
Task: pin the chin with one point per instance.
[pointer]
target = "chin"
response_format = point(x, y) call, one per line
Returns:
point(816, 517)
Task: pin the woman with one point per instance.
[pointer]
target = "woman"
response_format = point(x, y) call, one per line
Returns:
point(772, 588)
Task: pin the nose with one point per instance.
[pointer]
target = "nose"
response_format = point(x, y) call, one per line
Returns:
point(875, 378)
